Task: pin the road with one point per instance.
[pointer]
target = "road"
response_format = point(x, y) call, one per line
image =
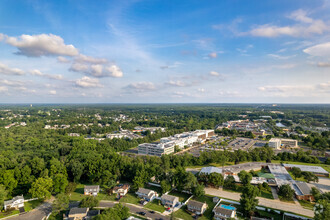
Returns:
point(275, 204)
point(134, 209)
point(36, 214)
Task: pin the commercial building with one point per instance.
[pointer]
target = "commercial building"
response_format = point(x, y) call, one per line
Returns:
point(317, 170)
point(279, 143)
point(156, 149)
point(303, 191)
point(209, 170)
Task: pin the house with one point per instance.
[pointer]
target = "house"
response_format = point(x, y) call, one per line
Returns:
point(224, 212)
point(81, 214)
point(146, 194)
point(15, 203)
point(168, 200)
point(121, 189)
point(91, 190)
point(196, 207)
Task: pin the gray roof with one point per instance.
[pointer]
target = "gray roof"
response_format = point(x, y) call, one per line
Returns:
point(223, 211)
point(169, 198)
point(97, 187)
point(303, 188)
point(195, 204)
point(144, 191)
point(209, 170)
point(313, 169)
point(75, 211)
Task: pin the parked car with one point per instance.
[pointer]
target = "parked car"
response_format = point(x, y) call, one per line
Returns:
point(141, 213)
point(152, 212)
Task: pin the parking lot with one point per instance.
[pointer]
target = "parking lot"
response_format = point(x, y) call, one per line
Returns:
point(241, 143)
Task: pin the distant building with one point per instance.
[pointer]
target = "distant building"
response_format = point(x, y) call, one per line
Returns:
point(146, 194)
point(121, 189)
point(74, 135)
point(279, 143)
point(15, 203)
point(169, 201)
point(317, 170)
point(209, 170)
point(91, 190)
point(156, 149)
point(196, 207)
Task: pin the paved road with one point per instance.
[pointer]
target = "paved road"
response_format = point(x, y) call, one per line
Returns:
point(275, 204)
point(37, 214)
point(274, 192)
point(133, 209)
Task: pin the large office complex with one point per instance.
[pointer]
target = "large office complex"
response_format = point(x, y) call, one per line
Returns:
point(279, 143)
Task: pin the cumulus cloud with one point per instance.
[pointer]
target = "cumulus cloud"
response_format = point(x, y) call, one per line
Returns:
point(201, 90)
point(36, 72)
point(12, 83)
point(306, 27)
point(177, 83)
point(4, 69)
point(322, 50)
point(41, 45)
point(3, 89)
point(61, 59)
point(87, 82)
point(213, 55)
point(97, 67)
point(141, 86)
point(295, 90)
point(52, 92)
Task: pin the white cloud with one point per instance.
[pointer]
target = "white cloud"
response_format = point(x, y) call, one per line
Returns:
point(280, 57)
point(41, 45)
point(177, 83)
point(81, 58)
point(36, 72)
point(141, 86)
point(4, 69)
point(214, 73)
point(201, 90)
point(213, 55)
point(2, 36)
point(52, 92)
point(61, 59)
point(12, 83)
point(306, 27)
point(322, 50)
point(87, 82)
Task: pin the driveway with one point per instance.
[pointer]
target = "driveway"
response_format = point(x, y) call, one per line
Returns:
point(275, 204)
point(36, 214)
point(133, 208)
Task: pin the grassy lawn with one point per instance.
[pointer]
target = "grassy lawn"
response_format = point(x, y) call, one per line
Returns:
point(182, 196)
point(266, 194)
point(155, 206)
point(8, 213)
point(130, 198)
point(306, 204)
point(182, 214)
point(266, 214)
point(298, 179)
point(28, 206)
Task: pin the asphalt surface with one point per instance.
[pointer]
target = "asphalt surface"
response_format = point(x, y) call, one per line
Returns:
point(37, 214)
point(134, 209)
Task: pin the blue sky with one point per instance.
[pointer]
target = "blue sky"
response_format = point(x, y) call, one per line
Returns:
point(165, 51)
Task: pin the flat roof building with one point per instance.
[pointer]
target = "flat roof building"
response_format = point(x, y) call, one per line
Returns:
point(317, 170)
point(156, 149)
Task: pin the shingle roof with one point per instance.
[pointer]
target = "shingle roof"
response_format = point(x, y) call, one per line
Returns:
point(223, 211)
point(144, 191)
point(169, 197)
point(304, 188)
point(97, 187)
point(195, 204)
point(74, 211)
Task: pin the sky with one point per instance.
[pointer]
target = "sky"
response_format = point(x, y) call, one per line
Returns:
point(155, 51)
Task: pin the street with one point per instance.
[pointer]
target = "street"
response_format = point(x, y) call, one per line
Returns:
point(37, 214)
point(133, 209)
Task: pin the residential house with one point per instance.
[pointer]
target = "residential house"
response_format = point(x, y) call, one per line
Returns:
point(146, 194)
point(15, 203)
point(91, 190)
point(121, 189)
point(196, 207)
point(168, 200)
point(81, 214)
point(224, 212)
